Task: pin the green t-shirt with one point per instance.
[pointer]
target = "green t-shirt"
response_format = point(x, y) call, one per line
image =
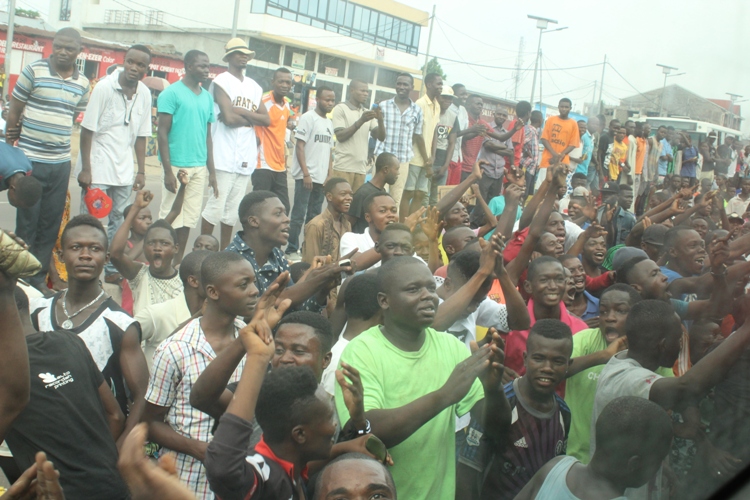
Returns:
point(191, 115)
point(580, 390)
point(425, 463)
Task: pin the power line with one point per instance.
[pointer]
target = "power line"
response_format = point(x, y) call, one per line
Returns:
point(484, 42)
point(634, 87)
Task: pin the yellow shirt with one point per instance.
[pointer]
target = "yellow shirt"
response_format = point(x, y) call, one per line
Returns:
point(431, 111)
point(619, 154)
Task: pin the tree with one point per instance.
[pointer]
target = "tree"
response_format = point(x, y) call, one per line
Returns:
point(27, 13)
point(433, 66)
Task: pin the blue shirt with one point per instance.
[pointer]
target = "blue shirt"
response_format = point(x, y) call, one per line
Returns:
point(592, 306)
point(666, 149)
point(690, 169)
point(497, 205)
point(274, 266)
point(12, 161)
point(191, 115)
point(587, 143)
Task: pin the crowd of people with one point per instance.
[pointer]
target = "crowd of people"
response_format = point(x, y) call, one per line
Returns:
point(522, 308)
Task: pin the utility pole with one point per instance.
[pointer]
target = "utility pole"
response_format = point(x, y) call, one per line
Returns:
point(427, 53)
point(666, 70)
point(9, 47)
point(593, 99)
point(519, 63)
point(599, 105)
point(236, 16)
point(540, 82)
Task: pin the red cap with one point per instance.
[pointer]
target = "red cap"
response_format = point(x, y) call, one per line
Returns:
point(98, 203)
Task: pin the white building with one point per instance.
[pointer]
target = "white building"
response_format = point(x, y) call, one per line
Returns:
point(336, 40)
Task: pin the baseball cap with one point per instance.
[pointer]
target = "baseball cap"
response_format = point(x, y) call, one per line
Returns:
point(654, 234)
point(735, 215)
point(237, 45)
point(712, 133)
point(624, 254)
point(447, 90)
point(611, 187)
point(98, 203)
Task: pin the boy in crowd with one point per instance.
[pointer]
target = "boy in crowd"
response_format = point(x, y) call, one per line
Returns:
point(738, 204)
point(602, 342)
point(84, 308)
point(265, 229)
point(618, 158)
point(158, 280)
point(443, 144)
point(323, 233)
point(67, 384)
point(654, 333)
point(380, 210)
point(584, 305)
point(634, 437)
point(417, 421)
point(689, 168)
point(535, 420)
point(386, 173)
point(206, 242)
point(229, 284)
point(312, 164)
point(24, 190)
point(159, 321)
point(545, 283)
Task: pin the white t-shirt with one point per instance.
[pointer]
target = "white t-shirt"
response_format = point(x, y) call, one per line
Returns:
point(328, 380)
point(158, 322)
point(317, 132)
point(112, 145)
point(235, 148)
point(362, 242)
point(463, 124)
point(148, 290)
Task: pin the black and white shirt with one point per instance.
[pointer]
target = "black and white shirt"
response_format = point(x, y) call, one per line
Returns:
point(102, 332)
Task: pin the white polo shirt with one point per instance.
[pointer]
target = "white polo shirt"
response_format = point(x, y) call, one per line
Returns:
point(116, 122)
point(235, 148)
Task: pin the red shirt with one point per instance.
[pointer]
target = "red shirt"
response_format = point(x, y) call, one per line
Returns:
point(470, 149)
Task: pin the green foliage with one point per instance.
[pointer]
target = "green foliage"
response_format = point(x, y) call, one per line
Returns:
point(32, 14)
point(433, 66)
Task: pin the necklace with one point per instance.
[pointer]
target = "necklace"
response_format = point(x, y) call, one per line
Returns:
point(68, 324)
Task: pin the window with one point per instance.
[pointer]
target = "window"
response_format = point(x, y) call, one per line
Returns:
point(364, 72)
point(331, 66)
point(345, 18)
point(65, 10)
point(265, 51)
point(258, 6)
point(381, 96)
point(309, 58)
point(387, 77)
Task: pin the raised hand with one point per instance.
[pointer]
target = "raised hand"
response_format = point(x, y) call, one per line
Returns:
point(476, 170)
point(497, 242)
point(719, 249)
point(431, 224)
point(413, 219)
point(145, 479)
point(513, 193)
point(182, 176)
point(463, 376)
point(143, 198)
point(493, 378)
point(488, 257)
point(257, 336)
point(354, 394)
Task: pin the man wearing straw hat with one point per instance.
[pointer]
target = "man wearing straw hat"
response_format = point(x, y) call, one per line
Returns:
point(237, 108)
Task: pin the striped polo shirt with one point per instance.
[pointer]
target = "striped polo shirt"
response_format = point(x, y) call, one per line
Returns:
point(51, 106)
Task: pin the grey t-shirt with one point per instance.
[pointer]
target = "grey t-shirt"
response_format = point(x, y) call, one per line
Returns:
point(317, 132)
point(622, 376)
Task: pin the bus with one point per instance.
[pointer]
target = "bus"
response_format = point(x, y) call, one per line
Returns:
point(697, 130)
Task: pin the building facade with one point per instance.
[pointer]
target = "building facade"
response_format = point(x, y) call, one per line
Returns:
point(321, 41)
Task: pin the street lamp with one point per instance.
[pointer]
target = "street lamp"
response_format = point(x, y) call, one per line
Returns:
point(541, 24)
point(666, 70)
point(732, 100)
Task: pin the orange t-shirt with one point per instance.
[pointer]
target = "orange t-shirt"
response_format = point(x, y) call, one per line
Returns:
point(640, 155)
point(560, 134)
point(272, 138)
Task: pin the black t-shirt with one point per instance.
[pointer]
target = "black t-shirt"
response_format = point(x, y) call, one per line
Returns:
point(357, 210)
point(102, 332)
point(725, 153)
point(708, 165)
point(604, 141)
point(65, 419)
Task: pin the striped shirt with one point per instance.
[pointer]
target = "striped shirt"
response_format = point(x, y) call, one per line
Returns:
point(534, 438)
point(51, 103)
point(400, 129)
point(178, 362)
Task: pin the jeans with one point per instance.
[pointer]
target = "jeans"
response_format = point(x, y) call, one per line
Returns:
point(38, 226)
point(592, 178)
point(270, 180)
point(435, 182)
point(120, 196)
point(489, 188)
point(307, 205)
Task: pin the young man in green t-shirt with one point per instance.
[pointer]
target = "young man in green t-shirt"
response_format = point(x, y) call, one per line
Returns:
point(416, 381)
point(602, 342)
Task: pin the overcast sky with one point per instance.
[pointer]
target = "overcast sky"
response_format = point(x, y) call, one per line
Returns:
point(706, 40)
point(703, 39)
